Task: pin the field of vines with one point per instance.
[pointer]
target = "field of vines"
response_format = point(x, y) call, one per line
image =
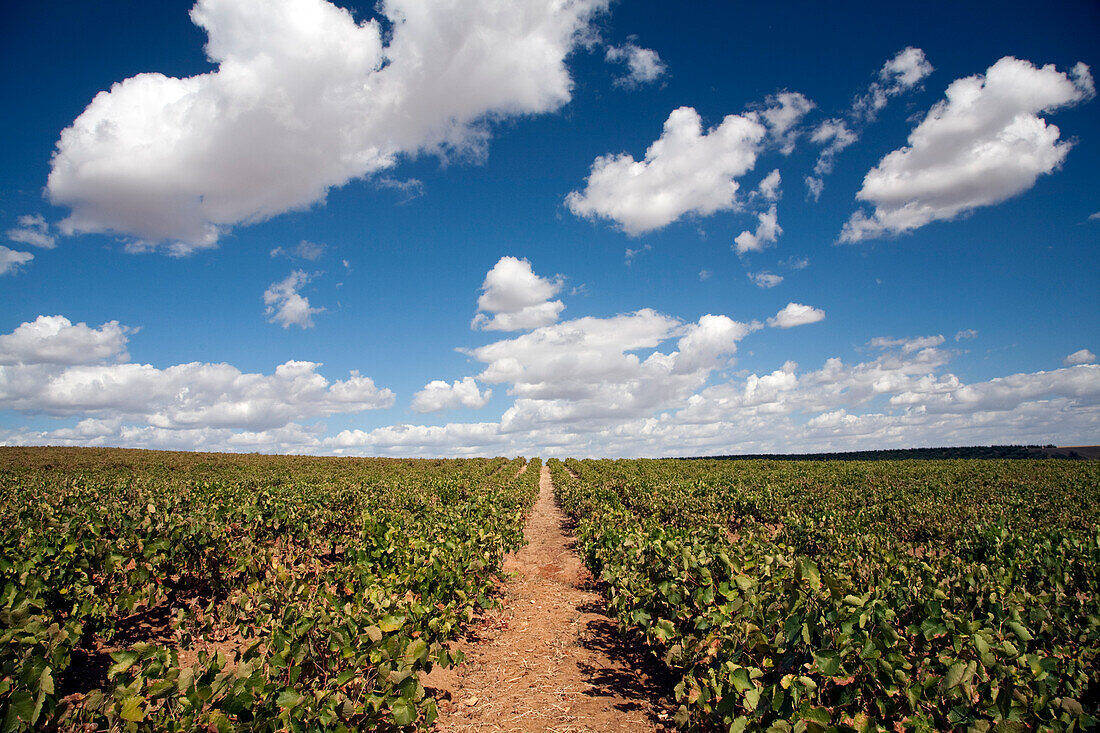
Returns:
point(182, 592)
point(907, 595)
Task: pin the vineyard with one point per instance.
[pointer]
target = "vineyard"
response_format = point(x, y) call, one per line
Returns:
point(184, 592)
point(173, 591)
point(946, 595)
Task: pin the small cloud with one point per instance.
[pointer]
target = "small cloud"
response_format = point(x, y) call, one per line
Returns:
point(33, 230)
point(632, 253)
point(411, 188)
point(11, 260)
point(1094, 217)
point(705, 274)
point(304, 250)
point(286, 306)
point(796, 263)
point(781, 114)
point(834, 136)
point(767, 231)
point(898, 75)
point(966, 334)
point(347, 265)
point(814, 187)
point(796, 314)
point(643, 64)
point(908, 346)
point(769, 188)
point(765, 279)
point(1084, 356)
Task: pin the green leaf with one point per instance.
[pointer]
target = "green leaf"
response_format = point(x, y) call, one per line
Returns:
point(752, 698)
point(403, 712)
point(828, 662)
point(1010, 726)
point(417, 651)
point(664, 630)
point(954, 675)
point(290, 699)
point(809, 572)
point(133, 709)
point(45, 681)
point(20, 707)
point(1021, 633)
point(853, 600)
point(373, 633)
point(1072, 707)
point(123, 661)
point(391, 623)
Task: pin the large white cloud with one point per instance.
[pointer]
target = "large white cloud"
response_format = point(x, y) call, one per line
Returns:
point(439, 395)
point(595, 368)
point(514, 298)
point(56, 340)
point(903, 397)
point(687, 170)
point(983, 144)
point(54, 367)
point(304, 98)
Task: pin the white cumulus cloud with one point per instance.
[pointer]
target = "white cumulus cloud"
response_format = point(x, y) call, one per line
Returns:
point(12, 259)
point(1082, 356)
point(643, 65)
point(796, 314)
point(304, 98)
point(769, 188)
point(781, 113)
point(286, 306)
point(57, 340)
point(439, 395)
point(54, 367)
point(983, 144)
point(767, 232)
point(687, 170)
point(514, 298)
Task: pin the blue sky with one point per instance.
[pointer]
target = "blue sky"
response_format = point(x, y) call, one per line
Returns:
point(434, 228)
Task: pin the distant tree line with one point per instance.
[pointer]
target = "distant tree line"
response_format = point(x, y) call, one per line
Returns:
point(978, 451)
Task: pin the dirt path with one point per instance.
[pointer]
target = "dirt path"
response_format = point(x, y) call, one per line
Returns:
point(550, 660)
